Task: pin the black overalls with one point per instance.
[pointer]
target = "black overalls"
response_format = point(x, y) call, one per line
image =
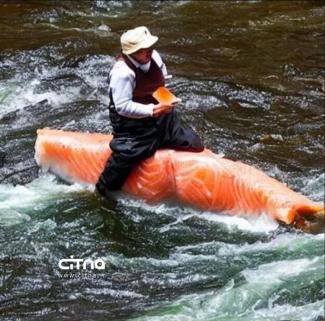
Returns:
point(138, 139)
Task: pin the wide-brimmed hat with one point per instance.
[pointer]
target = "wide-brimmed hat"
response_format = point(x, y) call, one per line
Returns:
point(137, 38)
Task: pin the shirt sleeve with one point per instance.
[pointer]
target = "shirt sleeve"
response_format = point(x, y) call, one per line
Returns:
point(122, 84)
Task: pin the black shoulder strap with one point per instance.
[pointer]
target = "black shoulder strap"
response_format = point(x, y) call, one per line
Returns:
point(111, 101)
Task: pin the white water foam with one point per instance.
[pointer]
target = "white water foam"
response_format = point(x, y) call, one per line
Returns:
point(25, 94)
point(101, 30)
point(260, 224)
point(23, 89)
point(314, 187)
point(287, 242)
point(16, 202)
point(253, 299)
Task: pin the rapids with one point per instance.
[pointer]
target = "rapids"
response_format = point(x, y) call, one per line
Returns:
point(251, 78)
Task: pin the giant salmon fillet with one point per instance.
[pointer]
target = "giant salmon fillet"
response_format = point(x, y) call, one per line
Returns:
point(203, 180)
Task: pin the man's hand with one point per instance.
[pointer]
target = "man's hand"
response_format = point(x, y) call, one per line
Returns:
point(164, 108)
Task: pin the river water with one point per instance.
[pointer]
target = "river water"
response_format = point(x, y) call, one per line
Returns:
point(251, 77)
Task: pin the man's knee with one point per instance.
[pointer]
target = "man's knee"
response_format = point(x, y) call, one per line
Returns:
point(193, 141)
point(197, 148)
point(117, 170)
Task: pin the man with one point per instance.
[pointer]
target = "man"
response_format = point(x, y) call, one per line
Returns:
point(141, 125)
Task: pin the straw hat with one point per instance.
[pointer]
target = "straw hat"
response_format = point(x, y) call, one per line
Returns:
point(137, 38)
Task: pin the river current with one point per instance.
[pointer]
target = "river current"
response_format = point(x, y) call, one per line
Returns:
point(251, 78)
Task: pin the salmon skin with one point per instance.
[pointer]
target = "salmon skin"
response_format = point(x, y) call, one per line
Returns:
point(203, 180)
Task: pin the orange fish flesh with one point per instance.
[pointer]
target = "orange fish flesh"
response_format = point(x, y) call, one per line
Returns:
point(203, 180)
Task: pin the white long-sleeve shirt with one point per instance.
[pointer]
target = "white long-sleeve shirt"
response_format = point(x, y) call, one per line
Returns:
point(122, 84)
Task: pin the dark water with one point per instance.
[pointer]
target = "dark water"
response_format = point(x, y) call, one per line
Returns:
point(251, 77)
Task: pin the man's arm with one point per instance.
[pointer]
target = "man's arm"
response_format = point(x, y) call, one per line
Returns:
point(122, 84)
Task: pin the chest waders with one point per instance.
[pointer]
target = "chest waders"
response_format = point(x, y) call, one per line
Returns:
point(137, 139)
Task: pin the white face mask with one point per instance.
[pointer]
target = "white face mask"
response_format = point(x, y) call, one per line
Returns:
point(145, 67)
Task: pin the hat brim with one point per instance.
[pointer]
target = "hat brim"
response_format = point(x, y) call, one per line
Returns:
point(147, 43)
